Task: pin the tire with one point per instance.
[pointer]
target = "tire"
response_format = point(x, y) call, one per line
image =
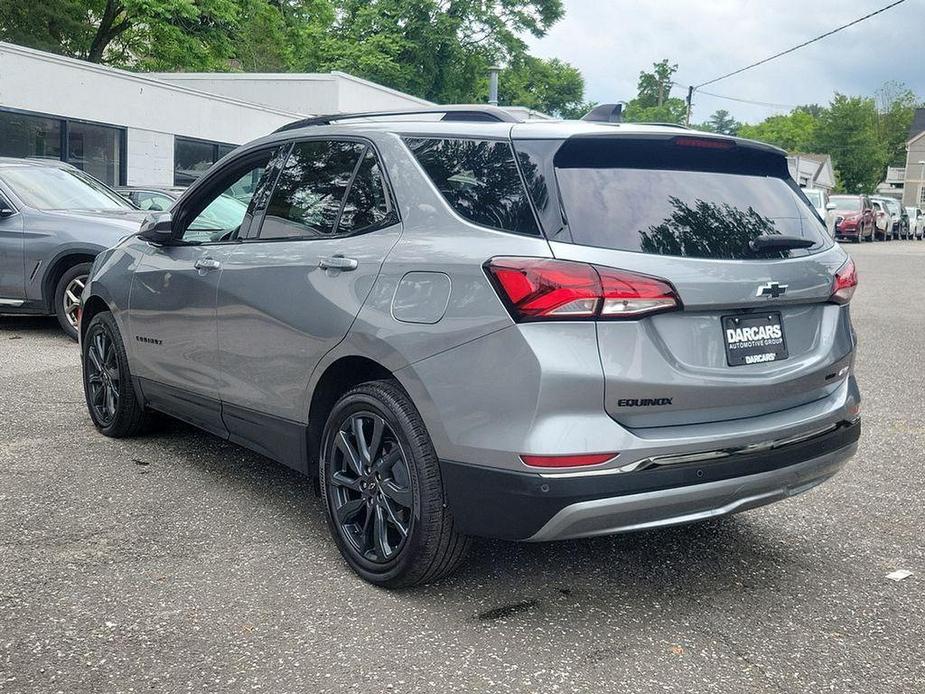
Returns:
point(111, 399)
point(68, 288)
point(394, 484)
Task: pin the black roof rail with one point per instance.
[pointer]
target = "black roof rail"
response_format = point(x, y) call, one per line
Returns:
point(665, 125)
point(455, 112)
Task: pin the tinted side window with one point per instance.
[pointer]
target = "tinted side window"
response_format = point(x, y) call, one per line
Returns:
point(479, 178)
point(220, 215)
point(366, 205)
point(308, 196)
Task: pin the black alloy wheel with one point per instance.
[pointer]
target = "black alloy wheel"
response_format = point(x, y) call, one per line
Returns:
point(383, 490)
point(372, 497)
point(103, 378)
point(113, 404)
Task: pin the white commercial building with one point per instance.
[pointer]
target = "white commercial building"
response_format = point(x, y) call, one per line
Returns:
point(159, 130)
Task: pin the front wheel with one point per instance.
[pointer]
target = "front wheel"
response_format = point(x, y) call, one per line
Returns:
point(67, 297)
point(111, 400)
point(383, 492)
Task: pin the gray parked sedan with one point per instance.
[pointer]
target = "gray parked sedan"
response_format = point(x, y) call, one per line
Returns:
point(525, 330)
point(54, 220)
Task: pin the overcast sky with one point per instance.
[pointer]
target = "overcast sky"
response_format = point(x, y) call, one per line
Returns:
point(610, 41)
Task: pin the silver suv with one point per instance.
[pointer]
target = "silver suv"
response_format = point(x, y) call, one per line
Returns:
point(54, 219)
point(470, 325)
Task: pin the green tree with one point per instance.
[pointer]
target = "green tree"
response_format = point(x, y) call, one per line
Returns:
point(437, 49)
point(721, 122)
point(550, 86)
point(150, 34)
point(896, 104)
point(848, 131)
point(653, 102)
point(795, 132)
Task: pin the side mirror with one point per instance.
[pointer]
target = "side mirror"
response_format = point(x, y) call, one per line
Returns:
point(157, 229)
point(831, 207)
point(5, 209)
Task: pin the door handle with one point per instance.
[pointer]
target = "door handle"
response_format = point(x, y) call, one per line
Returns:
point(338, 262)
point(207, 264)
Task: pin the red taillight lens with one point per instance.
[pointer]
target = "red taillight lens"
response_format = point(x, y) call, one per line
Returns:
point(539, 288)
point(626, 294)
point(545, 289)
point(567, 460)
point(846, 281)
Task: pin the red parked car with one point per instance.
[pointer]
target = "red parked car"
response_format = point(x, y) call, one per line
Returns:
point(854, 218)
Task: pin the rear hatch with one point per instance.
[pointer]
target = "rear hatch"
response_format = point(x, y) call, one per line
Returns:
point(755, 332)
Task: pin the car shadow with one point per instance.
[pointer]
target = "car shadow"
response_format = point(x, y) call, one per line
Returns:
point(15, 327)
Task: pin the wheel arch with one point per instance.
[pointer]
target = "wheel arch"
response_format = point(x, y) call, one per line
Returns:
point(338, 377)
point(94, 305)
point(60, 264)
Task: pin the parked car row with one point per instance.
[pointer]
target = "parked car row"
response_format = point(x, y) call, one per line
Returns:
point(866, 218)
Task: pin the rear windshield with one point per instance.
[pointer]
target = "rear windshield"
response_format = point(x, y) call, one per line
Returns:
point(693, 204)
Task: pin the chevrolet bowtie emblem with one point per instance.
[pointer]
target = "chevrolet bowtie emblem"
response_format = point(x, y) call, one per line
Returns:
point(771, 289)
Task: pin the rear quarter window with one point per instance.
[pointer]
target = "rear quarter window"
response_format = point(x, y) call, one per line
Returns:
point(479, 179)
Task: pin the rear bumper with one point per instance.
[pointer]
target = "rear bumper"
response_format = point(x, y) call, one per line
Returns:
point(530, 506)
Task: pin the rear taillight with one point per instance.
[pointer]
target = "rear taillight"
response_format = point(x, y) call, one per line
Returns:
point(545, 289)
point(844, 284)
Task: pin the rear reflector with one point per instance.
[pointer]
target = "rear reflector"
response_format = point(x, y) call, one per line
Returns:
point(536, 289)
point(844, 284)
point(567, 460)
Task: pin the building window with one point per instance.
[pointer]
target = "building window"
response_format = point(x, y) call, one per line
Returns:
point(192, 158)
point(97, 149)
point(29, 136)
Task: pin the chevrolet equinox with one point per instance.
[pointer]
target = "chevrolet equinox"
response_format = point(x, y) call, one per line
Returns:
point(472, 326)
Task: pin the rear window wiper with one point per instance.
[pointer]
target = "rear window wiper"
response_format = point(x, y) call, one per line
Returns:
point(779, 242)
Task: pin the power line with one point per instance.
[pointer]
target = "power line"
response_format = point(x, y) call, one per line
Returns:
point(802, 45)
point(740, 100)
point(746, 101)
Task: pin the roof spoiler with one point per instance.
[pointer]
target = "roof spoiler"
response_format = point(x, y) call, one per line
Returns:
point(456, 112)
point(605, 113)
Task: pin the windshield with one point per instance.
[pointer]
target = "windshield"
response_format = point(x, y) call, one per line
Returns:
point(815, 197)
point(225, 212)
point(54, 188)
point(846, 203)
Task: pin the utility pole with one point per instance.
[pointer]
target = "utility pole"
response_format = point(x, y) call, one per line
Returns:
point(690, 98)
point(493, 84)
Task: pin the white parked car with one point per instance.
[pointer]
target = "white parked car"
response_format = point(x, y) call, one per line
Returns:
point(826, 210)
point(883, 221)
point(916, 222)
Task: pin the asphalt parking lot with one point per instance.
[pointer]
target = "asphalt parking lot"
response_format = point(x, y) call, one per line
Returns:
point(178, 562)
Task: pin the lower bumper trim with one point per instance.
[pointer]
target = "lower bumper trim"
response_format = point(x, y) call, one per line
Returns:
point(691, 503)
point(521, 505)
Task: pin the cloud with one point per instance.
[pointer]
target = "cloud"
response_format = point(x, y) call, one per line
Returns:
point(611, 42)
